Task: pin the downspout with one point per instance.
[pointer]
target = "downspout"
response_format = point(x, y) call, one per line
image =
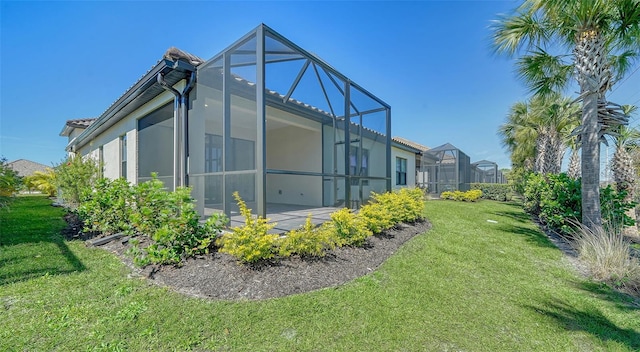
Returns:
point(185, 125)
point(180, 129)
point(177, 180)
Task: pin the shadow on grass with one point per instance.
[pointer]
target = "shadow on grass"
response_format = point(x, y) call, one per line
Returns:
point(622, 301)
point(516, 214)
point(31, 243)
point(590, 321)
point(534, 236)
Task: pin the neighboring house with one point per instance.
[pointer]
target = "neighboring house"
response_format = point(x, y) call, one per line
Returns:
point(450, 170)
point(422, 157)
point(485, 171)
point(26, 167)
point(263, 117)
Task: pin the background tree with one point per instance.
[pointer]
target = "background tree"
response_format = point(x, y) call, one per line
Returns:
point(43, 181)
point(9, 182)
point(536, 132)
point(573, 170)
point(73, 176)
point(603, 39)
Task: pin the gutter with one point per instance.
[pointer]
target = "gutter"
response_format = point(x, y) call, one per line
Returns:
point(106, 120)
point(180, 126)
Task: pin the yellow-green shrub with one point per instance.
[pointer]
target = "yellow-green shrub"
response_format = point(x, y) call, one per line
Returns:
point(252, 242)
point(404, 205)
point(307, 241)
point(376, 217)
point(472, 195)
point(468, 196)
point(413, 199)
point(349, 228)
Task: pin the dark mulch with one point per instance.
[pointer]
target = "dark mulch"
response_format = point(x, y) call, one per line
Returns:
point(220, 276)
point(73, 231)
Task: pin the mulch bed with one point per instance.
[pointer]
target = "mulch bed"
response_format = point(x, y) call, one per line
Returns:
point(220, 276)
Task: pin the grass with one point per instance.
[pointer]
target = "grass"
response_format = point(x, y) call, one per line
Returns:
point(467, 284)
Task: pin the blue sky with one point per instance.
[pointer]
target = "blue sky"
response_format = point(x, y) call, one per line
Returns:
point(430, 60)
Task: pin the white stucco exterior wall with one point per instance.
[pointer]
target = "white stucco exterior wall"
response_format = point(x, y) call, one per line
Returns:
point(411, 167)
point(296, 149)
point(109, 140)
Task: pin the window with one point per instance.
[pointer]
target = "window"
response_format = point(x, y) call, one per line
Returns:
point(242, 154)
point(123, 156)
point(401, 171)
point(155, 146)
point(358, 163)
point(212, 153)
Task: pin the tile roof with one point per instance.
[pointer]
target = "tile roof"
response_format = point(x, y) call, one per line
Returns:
point(80, 123)
point(411, 144)
point(26, 167)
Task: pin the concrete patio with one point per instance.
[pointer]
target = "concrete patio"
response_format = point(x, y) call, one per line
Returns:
point(288, 217)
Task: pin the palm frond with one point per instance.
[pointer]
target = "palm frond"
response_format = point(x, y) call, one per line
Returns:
point(621, 64)
point(543, 73)
point(523, 30)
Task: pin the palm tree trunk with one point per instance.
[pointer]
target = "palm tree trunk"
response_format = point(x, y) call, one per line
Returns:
point(555, 158)
point(593, 75)
point(624, 178)
point(541, 152)
point(591, 215)
point(574, 164)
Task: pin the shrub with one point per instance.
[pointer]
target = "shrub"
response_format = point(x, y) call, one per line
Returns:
point(413, 199)
point(307, 241)
point(376, 217)
point(560, 202)
point(170, 220)
point(349, 228)
point(608, 257)
point(151, 208)
point(107, 208)
point(493, 191)
point(556, 200)
point(517, 179)
point(9, 182)
point(180, 235)
point(252, 242)
point(468, 196)
point(614, 208)
point(74, 176)
point(404, 205)
point(534, 187)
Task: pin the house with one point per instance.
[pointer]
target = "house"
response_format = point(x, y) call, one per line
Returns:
point(264, 118)
point(73, 128)
point(485, 171)
point(25, 167)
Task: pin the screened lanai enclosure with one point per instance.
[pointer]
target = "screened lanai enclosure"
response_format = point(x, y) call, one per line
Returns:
point(484, 171)
point(282, 127)
point(446, 168)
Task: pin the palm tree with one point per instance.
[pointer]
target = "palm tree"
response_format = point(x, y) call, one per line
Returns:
point(536, 132)
point(559, 117)
point(519, 136)
point(603, 37)
point(573, 171)
point(625, 139)
point(44, 181)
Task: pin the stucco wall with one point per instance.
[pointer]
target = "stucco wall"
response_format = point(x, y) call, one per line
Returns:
point(411, 167)
point(294, 148)
point(110, 140)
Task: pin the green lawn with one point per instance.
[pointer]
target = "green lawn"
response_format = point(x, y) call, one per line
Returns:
point(467, 284)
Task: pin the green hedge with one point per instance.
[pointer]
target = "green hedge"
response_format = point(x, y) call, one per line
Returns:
point(494, 191)
point(556, 200)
